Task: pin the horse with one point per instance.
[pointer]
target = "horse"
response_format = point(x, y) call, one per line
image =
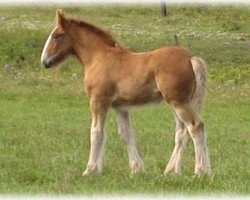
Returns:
point(115, 77)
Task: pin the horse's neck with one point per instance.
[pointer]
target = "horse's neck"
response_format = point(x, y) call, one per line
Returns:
point(87, 48)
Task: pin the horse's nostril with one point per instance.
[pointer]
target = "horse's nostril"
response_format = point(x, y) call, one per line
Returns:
point(47, 64)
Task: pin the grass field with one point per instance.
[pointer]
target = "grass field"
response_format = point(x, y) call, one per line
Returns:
point(45, 119)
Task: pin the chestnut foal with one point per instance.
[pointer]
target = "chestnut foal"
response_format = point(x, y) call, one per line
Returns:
point(118, 78)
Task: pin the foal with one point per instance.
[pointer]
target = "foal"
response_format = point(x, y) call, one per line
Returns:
point(118, 78)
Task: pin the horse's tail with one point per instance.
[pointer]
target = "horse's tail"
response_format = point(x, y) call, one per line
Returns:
point(200, 72)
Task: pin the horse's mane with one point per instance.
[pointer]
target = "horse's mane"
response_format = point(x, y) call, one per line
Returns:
point(105, 36)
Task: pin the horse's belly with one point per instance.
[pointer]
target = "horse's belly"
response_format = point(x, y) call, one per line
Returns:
point(136, 96)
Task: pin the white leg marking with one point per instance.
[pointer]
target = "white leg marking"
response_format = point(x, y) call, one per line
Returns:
point(127, 134)
point(181, 139)
point(202, 161)
point(196, 129)
point(97, 138)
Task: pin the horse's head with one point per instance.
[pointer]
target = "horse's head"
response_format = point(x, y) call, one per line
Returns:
point(58, 45)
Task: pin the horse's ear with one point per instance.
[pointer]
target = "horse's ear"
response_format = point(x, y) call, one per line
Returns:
point(60, 18)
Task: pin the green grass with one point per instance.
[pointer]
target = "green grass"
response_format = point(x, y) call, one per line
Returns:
point(45, 118)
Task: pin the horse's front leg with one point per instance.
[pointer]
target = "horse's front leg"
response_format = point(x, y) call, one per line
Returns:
point(127, 134)
point(98, 109)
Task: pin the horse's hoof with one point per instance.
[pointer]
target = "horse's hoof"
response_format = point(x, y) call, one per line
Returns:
point(86, 173)
point(136, 167)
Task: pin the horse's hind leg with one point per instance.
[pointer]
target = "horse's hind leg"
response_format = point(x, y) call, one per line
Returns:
point(197, 131)
point(127, 134)
point(181, 139)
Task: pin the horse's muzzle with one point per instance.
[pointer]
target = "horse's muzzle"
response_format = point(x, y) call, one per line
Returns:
point(47, 63)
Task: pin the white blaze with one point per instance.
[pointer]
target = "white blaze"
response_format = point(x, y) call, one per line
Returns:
point(44, 55)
